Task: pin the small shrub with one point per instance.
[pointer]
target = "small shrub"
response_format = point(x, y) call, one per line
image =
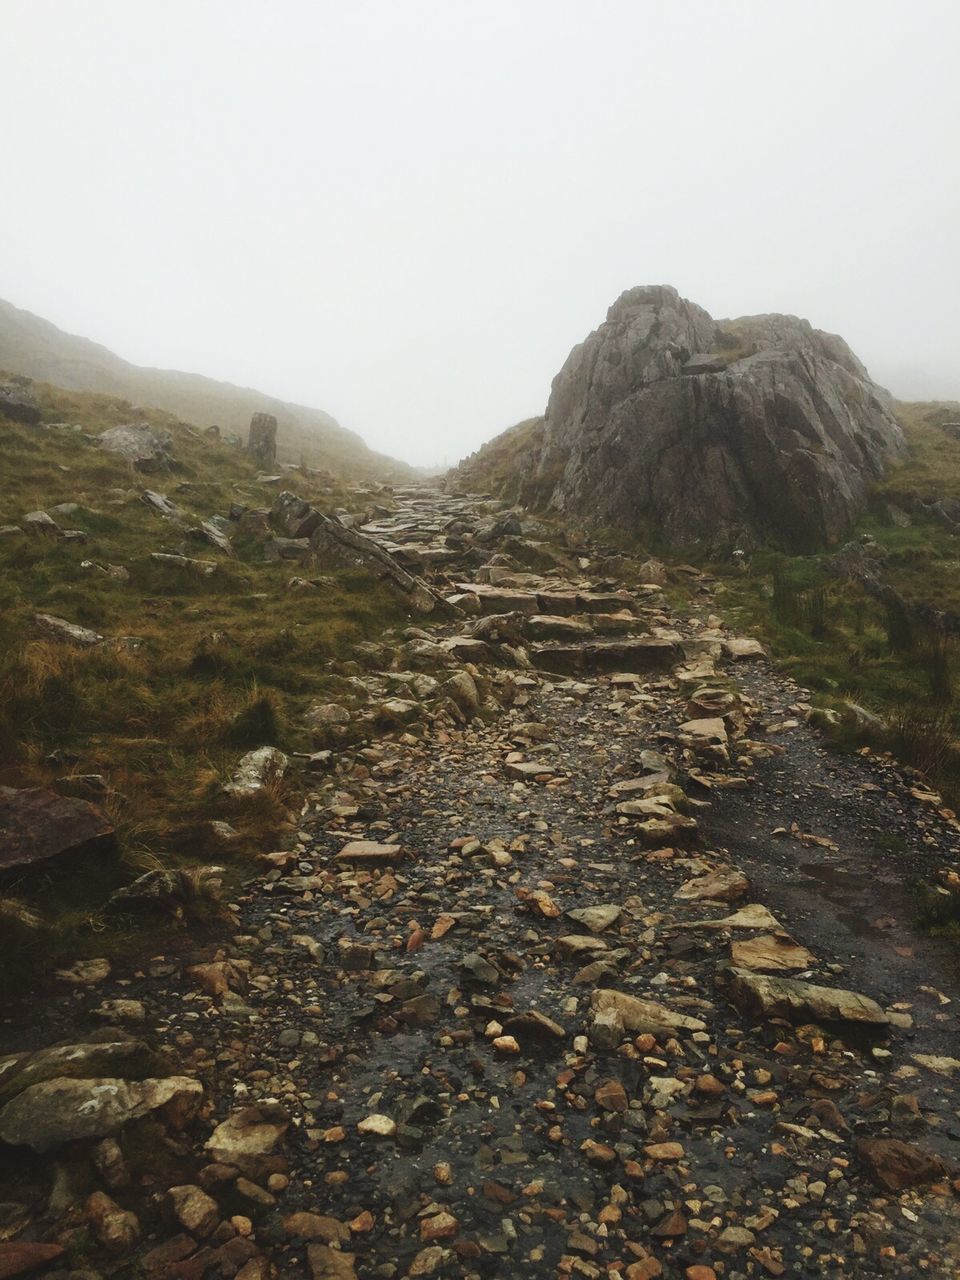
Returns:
point(258, 724)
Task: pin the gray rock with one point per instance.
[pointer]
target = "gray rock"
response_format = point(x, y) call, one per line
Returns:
point(641, 431)
point(18, 403)
point(61, 629)
point(255, 770)
point(60, 1110)
point(121, 1059)
point(768, 997)
point(39, 522)
point(142, 446)
point(262, 440)
point(203, 568)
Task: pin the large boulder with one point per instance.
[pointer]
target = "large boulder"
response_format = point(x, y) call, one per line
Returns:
point(143, 447)
point(40, 830)
point(123, 1059)
point(668, 423)
point(262, 440)
point(18, 403)
point(48, 1114)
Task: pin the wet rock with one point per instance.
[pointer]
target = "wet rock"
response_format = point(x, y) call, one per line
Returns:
point(800, 1001)
point(770, 953)
point(643, 1015)
point(330, 1264)
point(249, 1135)
point(42, 830)
point(56, 1111)
point(596, 919)
point(18, 1257)
point(195, 1211)
point(725, 884)
point(893, 1164)
point(118, 1230)
point(369, 852)
point(316, 1226)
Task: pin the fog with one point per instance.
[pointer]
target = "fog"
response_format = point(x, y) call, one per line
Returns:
point(406, 213)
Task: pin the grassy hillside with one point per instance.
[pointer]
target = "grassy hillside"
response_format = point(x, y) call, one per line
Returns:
point(502, 465)
point(32, 346)
point(217, 665)
point(897, 662)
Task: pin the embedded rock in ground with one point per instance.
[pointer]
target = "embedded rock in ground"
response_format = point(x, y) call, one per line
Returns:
point(330, 1264)
point(640, 1015)
point(647, 653)
point(369, 852)
point(118, 1230)
point(784, 441)
point(547, 627)
point(18, 403)
point(166, 890)
point(121, 1059)
point(766, 997)
point(461, 689)
point(40, 830)
point(48, 1114)
point(256, 770)
point(597, 918)
point(248, 1136)
point(771, 953)
point(61, 629)
point(894, 1165)
point(262, 439)
point(202, 568)
point(741, 648)
point(141, 446)
point(725, 884)
point(20, 1257)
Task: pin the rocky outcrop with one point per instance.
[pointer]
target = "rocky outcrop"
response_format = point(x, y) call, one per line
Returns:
point(143, 447)
point(262, 441)
point(40, 830)
point(18, 403)
point(691, 431)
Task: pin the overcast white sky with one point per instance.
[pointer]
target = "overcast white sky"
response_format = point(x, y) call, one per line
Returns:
point(407, 211)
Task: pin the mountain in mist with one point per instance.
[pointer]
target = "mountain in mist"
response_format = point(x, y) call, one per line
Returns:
point(669, 425)
point(34, 347)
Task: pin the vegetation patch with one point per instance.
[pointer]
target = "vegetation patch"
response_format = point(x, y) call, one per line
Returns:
point(192, 670)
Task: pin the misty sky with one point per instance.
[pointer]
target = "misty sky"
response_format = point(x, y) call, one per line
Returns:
point(407, 212)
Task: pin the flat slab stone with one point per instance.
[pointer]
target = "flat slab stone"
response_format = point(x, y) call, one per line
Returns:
point(644, 653)
point(643, 1015)
point(771, 953)
point(742, 648)
point(767, 997)
point(369, 851)
point(39, 828)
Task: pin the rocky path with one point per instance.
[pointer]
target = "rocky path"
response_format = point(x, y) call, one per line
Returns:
point(555, 981)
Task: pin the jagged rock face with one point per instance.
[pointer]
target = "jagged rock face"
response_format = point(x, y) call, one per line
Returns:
point(669, 423)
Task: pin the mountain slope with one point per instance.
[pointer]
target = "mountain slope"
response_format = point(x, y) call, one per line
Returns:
point(687, 431)
point(32, 346)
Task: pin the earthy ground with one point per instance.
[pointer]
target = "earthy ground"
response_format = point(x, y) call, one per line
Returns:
point(437, 1127)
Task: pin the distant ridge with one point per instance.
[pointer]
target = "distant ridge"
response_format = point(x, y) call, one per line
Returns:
point(34, 347)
